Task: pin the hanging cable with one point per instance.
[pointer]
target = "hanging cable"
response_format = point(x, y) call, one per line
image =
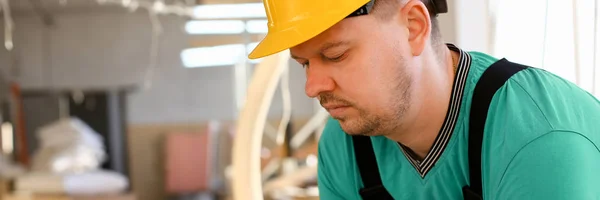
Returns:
point(154, 49)
point(8, 26)
point(13, 70)
point(545, 35)
point(576, 44)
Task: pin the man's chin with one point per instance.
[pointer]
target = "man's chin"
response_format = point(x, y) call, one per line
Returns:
point(351, 127)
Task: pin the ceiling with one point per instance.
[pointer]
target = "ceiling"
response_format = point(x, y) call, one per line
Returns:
point(54, 6)
point(51, 5)
point(227, 1)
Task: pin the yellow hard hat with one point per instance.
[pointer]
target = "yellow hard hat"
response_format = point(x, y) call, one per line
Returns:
point(292, 22)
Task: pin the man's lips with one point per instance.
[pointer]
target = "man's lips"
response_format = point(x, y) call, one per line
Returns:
point(335, 109)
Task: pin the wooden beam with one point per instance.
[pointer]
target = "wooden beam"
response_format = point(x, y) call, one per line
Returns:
point(19, 126)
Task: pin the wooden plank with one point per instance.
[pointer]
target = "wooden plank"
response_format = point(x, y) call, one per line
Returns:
point(65, 197)
point(147, 160)
point(19, 130)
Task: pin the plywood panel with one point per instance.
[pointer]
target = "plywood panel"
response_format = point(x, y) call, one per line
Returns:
point(146, 150)
point(146, 160)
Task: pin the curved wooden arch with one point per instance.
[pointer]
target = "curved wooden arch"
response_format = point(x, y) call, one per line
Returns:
point(247, 178)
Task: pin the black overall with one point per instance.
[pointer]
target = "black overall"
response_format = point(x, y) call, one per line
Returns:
point(491, 80)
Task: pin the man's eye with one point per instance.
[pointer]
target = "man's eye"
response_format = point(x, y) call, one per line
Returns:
point(336, 58)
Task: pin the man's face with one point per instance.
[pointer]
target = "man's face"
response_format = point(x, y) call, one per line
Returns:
point(359, 70)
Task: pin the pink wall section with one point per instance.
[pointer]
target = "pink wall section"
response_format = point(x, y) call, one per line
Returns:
point(187, 162)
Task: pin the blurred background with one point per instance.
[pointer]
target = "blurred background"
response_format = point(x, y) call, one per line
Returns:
point(141, 99)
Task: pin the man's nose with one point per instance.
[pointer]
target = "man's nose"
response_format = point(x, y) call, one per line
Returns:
point(318, 81)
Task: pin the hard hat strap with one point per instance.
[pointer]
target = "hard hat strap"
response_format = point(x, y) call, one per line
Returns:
point(437, 6)
point(363, 10)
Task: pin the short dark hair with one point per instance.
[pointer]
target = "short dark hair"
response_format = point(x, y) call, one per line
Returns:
point(384, 9)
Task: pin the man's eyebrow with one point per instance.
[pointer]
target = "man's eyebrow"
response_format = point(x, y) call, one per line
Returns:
point(323, 48)
point(330, 45)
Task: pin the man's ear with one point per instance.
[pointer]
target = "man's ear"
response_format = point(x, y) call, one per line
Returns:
point(418, 24)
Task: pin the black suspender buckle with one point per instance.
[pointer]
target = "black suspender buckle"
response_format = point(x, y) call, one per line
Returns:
point(469, 194)
point(375, 192)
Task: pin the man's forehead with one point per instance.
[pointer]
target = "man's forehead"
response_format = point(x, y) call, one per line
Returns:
point(341, 33)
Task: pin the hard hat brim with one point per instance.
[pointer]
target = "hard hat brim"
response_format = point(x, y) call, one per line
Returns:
point(280, 40)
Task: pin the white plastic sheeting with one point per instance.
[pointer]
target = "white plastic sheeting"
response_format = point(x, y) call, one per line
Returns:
point(68, 146)
point(68, 162)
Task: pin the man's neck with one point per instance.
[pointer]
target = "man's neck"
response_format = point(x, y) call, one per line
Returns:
point(420, 134)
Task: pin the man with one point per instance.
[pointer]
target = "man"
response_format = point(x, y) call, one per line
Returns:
point(380, 69)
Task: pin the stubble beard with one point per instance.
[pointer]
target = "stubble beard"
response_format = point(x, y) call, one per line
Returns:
point(370, 124)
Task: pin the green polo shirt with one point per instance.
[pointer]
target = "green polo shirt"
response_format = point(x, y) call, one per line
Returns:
point(541, 142)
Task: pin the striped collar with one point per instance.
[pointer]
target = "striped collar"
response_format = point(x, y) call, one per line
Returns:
point(464, 63)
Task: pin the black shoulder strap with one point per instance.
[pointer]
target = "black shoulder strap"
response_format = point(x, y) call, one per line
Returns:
point(492, 79)
point(369, 172)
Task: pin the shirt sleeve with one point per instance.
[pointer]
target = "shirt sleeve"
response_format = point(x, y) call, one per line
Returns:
point(332, 179)
point(325, 185)
point(558, 165)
